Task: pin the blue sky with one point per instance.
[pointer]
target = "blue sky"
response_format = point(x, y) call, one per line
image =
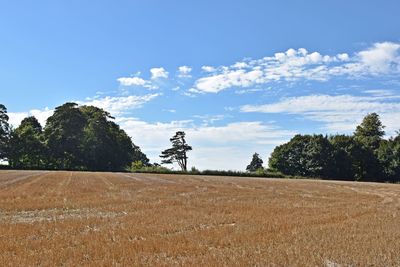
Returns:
point(237, 76)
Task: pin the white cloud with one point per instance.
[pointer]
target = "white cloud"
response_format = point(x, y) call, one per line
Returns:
point(236, 78)
point(209, 119)
point(240, 65)
point(15, 118)
point(229, 108)
point(132, 81)
point(250, 90)
point(170, 110)
point(116, 105)
point(382, 93)
point(184, 72)
point(343, 57)
point(381, 58)
point(294, 65)
point(157, 73)
point(137, 81)
point(214, 147)
point(340, 113)
point(41, 116)
point(208, 69)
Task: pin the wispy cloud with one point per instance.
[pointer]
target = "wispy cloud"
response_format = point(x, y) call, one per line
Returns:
point(339, 113)
point(117, 105)
point(208, 69)
point(209, 119)
point(184, 72)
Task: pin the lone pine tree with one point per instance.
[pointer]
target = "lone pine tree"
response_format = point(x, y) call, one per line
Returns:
point(177, 153)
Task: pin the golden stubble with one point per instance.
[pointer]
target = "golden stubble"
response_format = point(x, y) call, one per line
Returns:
point(122, 219)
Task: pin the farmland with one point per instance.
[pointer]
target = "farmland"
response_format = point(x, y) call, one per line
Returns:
point(62, 218)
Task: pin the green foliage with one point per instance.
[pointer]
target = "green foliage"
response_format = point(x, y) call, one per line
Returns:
point(389, 157)
point(370, 131)
point(75, 138)
point(255, 164)
point(353, 160)
point(194, 170)
point(260, 171)
point(150, 169)
point(27, 149)
point(162, 170)
point(138, 155)
point(303, 155)
point(178, 152)
point(136, 165)
point(4, 131)
point(364, 156)
point(64, 133)
point(105, 146)
point(263, 173)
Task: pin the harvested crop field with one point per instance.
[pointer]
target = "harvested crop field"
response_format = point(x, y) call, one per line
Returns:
point(123, 219)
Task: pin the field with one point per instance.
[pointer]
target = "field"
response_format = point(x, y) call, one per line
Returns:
point(122, 219)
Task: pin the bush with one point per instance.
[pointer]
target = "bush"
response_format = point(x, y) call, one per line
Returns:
point(194, 171)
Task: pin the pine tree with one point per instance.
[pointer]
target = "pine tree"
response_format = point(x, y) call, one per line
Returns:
point(177, 153)
point(4, 131)
point(370, 131)
point(255, 164)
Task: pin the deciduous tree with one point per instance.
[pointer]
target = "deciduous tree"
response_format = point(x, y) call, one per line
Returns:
point(64, 134)
point(27, 149)
point(304, 155)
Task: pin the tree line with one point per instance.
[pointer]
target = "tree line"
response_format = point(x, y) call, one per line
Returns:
point(86, 138)
point(363, 156)
point(74, 138)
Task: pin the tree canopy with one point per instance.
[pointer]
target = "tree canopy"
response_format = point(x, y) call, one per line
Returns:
point(255, 164)
point(178, 152)
point(370, 131)
point(75, 138)
point(365, 156)
point(27, 149)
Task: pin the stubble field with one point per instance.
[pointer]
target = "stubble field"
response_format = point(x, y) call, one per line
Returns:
point(121, 219)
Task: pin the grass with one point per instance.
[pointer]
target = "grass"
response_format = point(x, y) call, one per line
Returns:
point(123, 219)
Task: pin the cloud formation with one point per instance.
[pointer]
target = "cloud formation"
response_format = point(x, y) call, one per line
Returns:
point(157, 73)
point(116, 105)
point(135, 80)
point(380, 59)
point(227, 146)
point(41, 116)
point(294, 65)
point(184, 72)
point(132, 81)
point(338, 113)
